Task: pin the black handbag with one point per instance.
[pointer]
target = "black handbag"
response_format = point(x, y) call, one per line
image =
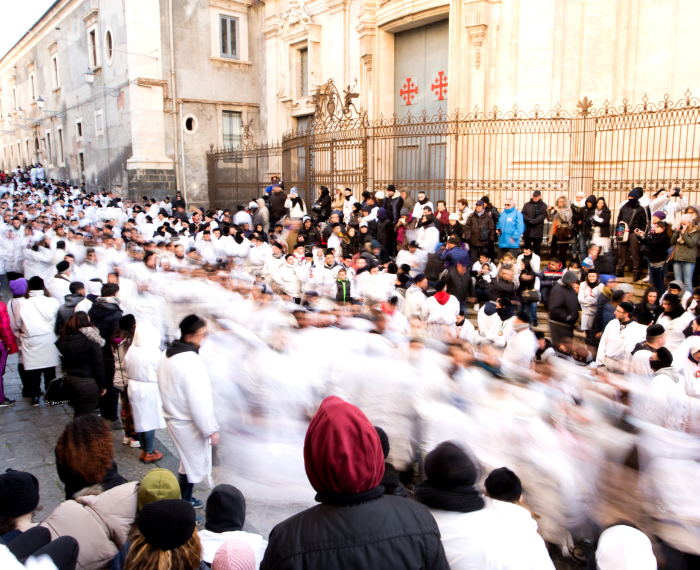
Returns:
point(56, 393)
point(483, 234)
point(530, 296)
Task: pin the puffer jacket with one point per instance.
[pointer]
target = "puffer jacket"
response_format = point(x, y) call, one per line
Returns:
point(563, 304)
point(82, 357)
point(356, 525)
point(66, 311)
point(512, 227)
point(99, 522)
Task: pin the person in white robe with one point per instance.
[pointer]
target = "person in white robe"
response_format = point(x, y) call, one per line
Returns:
point(522, 347)
point(440, 309)
point(686, 360)
point(415, 297)
point(36, 322)
point(59, 285)
point(495, 322)
point(140, 362)
point(623, 547)
point(675, 320)
point(667, 403)
point(619, 338)
point(188, 408)
point(37, 258)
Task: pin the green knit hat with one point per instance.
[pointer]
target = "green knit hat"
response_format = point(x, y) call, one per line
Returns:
point(158, 484)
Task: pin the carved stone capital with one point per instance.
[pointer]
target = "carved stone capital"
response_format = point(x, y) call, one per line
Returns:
point(477, 35)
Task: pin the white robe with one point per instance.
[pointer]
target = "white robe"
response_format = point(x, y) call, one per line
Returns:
point(674, 329)
point(189, 411)
point(520, 350)
point(140, 363)
point(58, 287)
point(477, 541)
point(36, 321)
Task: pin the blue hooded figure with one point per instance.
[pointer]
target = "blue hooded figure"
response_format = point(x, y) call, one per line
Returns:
point(512, 226)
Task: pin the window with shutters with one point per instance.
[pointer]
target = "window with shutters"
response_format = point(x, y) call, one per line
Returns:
point(231, 128)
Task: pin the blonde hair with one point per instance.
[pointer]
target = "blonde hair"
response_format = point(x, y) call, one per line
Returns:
point(143, 556)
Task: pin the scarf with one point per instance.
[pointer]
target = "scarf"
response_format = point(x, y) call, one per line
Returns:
point(179, 346)
point(517, 327)
point(93, 334)
point(505, 313)
point(459, 499)
point(423, 202)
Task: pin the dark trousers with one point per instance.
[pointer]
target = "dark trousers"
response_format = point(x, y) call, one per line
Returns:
point(656, 278)
point(559, 332)
point(37, 541)
point(32, 383)
point(83, 394)
point(535, 244)
point(514, 251)
point(476, 250)
point(109, 403)
point(185, 487)
point(630, 246)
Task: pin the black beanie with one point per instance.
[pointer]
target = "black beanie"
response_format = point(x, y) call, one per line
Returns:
point(225, 509)
point(36, 283)
point(627, 307)
point(167, 524)
point(664, 359)
point(645, 318)
point(654, 331)
point(503, 485)
point(62, 266)
point(19, 493)
point(447, 466)
point(127, 322)
point(384, 438)
point(191, 324)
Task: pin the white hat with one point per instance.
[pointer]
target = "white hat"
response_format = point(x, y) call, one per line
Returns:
point(253, 205)
point(379, 195)
point(454, 217)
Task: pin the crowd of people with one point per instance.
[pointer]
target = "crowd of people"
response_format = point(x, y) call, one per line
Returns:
point(331, 342)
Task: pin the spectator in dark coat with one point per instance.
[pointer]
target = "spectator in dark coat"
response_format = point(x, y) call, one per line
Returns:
point(480, 225)
point(325, 201)
point(454, 253)
point(534, 215)
point(65, 311)
point(548, 277)
point(657, 243)
point(502, 286)
point(459, 283)
point(276, 205)
point(105, 314)
point(392, 203)
point(385, 231)
point(635, 216)
point(603, 262)
point(356, 525)
point(563, 309)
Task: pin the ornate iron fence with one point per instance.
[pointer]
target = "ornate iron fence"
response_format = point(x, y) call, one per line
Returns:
point(604, 151)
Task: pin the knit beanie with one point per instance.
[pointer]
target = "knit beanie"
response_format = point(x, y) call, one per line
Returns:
point(191, 324)
point(234, 554)
point(503, 485)
point(654, 332)
point(225, 509)
point(127, 322)
point(158, 484)
point(18, 287)
point(19, 493)
point(62, 266)
point(627, 307)
point(449, 466)
point(167, 524)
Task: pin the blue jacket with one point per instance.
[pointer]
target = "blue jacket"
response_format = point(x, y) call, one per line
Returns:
point(512, 226)
point(454, 256)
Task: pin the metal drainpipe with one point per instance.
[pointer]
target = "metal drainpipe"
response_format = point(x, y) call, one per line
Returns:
point(174, 92)
point(182, 148)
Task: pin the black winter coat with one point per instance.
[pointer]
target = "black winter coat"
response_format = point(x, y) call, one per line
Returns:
point(385, 233)
point(658, 245)
point(500, 288)
point(276, 205)
point(384, 532)
point(458, 285)
point(563, 304)
point(105, 316)
point(534, 215)
point(635, 215)
point(589, 223)
point(82, 357)
point(393, 207)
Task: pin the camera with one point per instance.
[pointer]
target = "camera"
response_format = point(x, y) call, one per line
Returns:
point(675, 193)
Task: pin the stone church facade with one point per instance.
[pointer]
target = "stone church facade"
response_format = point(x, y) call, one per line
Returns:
point(174, 78)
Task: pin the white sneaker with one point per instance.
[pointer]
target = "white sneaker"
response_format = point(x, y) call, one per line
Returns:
point(646, 279)
point(126, 440)
point(135, 443)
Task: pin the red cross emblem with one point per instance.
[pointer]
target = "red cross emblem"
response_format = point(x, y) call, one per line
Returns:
point(440, 86)
point(408, 91)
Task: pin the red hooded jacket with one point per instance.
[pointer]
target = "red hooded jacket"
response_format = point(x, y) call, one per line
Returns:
point(342, 451)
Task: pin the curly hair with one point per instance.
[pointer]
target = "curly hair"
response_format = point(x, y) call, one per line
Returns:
point(143, 556)
point(86, 448)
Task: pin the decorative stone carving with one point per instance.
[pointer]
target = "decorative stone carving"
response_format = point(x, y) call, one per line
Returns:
point(477, 36)
point(295, 14)
point(225, 63)
point(90, 18)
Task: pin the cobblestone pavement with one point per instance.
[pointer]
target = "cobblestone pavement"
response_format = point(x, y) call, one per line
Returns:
point(28, 436)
